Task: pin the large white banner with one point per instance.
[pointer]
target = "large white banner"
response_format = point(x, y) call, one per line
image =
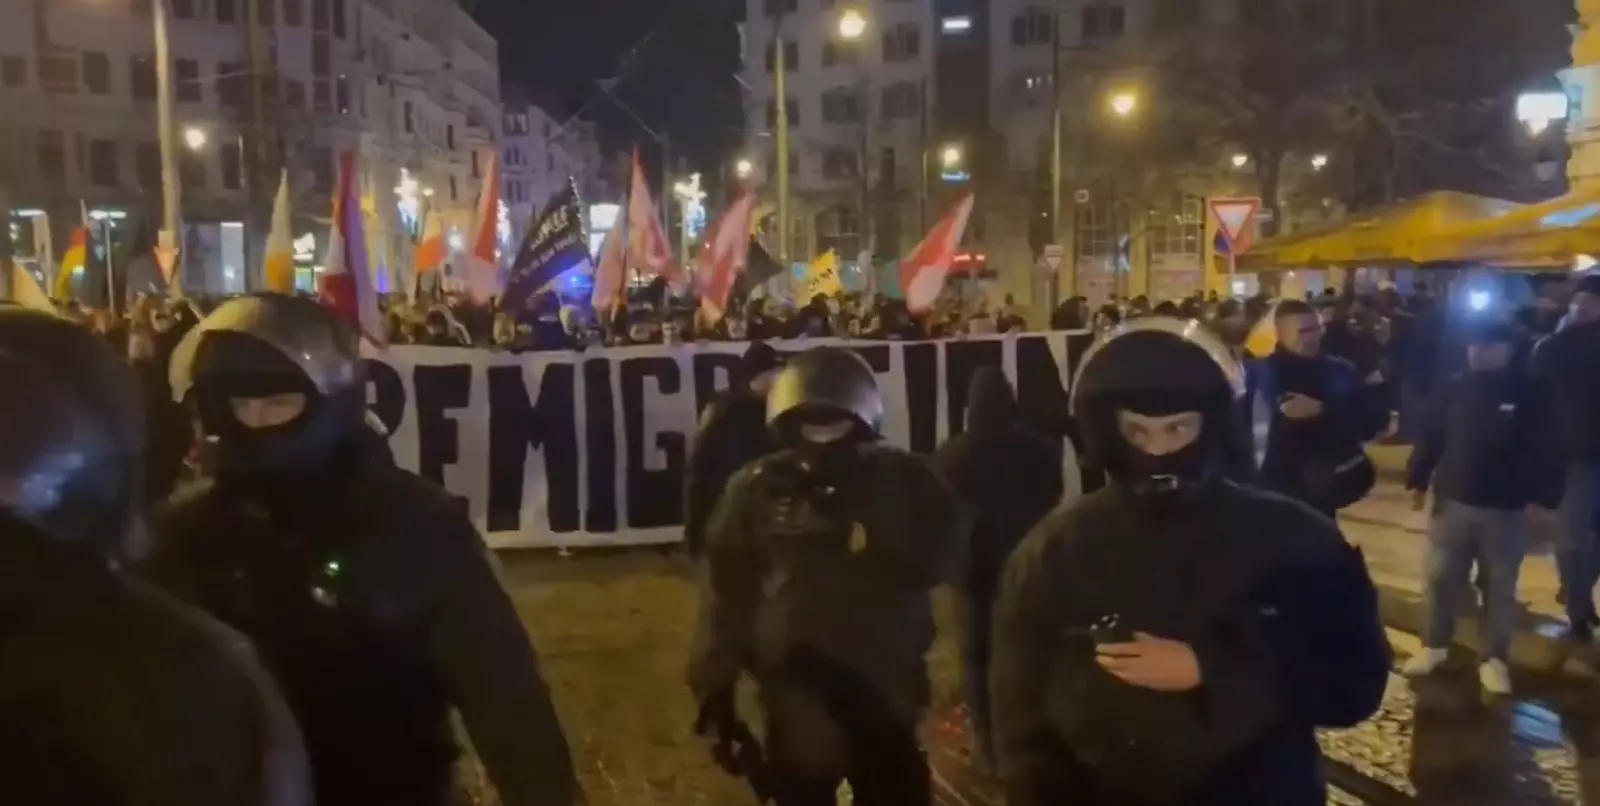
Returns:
point(588, 449)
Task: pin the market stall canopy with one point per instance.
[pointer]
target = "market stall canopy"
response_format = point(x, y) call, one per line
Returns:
point(1550, 233)
point(1394, 233)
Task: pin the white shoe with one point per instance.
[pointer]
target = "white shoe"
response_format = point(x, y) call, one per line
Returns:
point(1425, 662)
point(1495, 677)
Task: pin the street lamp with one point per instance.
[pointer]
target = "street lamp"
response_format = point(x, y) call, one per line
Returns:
point(744, 168)
point(1537, 110)
point(1124, 102)
point(1319, 161)
point(852, 24)
point(194, 137)
point(950, 156)
point(1240, 159)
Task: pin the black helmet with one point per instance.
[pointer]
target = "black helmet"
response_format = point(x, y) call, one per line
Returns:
point(1159, 366)
point(72, 450)
point(824, 383)
point(268, 344)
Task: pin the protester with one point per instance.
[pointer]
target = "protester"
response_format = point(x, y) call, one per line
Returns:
point(819, 563)
point(368, 592)
point(1008, 478)
point(1319, 413)
point(110, 692)
point(1175, 638)
point(1496, 473)
point(1564, 364)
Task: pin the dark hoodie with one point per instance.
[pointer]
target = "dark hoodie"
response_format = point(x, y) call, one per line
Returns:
point(732, 433)
point(1008, 477)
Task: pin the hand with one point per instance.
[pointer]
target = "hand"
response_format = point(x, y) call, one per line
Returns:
point(1150, 662)
point(1299, 407)
point(1419, 500)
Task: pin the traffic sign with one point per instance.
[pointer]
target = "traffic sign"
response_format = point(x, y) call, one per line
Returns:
point(1234, 216)
point(1053, 255)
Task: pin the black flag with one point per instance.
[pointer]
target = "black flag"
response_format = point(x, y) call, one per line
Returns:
point(557, 241)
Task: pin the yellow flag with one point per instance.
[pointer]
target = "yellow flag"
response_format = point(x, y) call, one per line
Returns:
point(822, 277)
point(279, 254)
point(25, 290)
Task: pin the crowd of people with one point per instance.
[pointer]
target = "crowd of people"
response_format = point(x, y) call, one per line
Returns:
point(1174, 632)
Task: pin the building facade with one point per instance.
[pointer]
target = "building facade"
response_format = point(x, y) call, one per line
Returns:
point(262, 88)
point(980, 78)
point(540, 152)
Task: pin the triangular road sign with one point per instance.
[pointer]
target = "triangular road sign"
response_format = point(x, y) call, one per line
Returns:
point(1234, 215)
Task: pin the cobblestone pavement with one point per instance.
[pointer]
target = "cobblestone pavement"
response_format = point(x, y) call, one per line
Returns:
point(613, 631)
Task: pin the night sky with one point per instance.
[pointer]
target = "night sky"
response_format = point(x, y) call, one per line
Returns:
point(681, 83)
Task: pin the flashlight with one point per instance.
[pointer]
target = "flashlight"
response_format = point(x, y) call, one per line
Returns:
point(1478, 300)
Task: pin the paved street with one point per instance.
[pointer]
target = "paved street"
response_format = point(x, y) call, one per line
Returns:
point(613, 628)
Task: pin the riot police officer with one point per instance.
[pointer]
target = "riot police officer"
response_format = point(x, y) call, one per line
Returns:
point(1175, 638)
point(111, 692)
point(819, 563)
point(368, 592)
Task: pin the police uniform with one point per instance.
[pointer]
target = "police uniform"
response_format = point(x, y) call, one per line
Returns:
point(820, 559)
point(1274, 609)
point(111, 692)
point(368, 592)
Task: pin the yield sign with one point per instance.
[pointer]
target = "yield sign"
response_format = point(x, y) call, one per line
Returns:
point(1234, 216)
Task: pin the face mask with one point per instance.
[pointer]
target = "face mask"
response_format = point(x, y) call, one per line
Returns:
point(826, 433)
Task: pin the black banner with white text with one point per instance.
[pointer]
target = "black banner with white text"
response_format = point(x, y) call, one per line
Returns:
point(588, 449)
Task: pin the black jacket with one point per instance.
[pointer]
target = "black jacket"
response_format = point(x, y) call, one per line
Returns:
point(113, 693)
point(843, 576)
point(1009, 478)
point(1490, 444)
point(1300, 456)
point(1565, 364)
point(1278, 609)
point(375, 603)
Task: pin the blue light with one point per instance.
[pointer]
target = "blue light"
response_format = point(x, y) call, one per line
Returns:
point(1478, 300)
point(1571, 218)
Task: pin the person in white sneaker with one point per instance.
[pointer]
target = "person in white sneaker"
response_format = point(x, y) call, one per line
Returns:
point(1491, 459)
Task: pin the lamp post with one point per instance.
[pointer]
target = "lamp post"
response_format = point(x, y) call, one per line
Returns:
point(780, 85)
point(168, 241)
point(691, 196)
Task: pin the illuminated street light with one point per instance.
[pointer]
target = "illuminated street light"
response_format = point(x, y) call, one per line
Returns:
point(950, 156)
point(194, 137)
point(744, 168)
point(1240, 159)
point(1319, 161)
point(1124, 102)
point(1538, 110)
point(852, 24)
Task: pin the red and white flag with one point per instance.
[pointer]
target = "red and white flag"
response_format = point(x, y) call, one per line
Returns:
point(346, 284)
point(609, 272)
point(723, 257)
point(648, 247)
point(481, 265)
point(923, 272)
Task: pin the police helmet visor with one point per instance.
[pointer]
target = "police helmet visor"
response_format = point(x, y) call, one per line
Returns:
point(826, 384)
point(1127, 362)
point(71, 451)
point(312, 340)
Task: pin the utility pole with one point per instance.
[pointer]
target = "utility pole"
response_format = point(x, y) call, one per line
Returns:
point(254, 160)
point(781, 100)
point(1055, 154)
point(170, 241)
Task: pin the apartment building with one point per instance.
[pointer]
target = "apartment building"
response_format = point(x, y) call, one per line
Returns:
point(540, 152)
point(411, 85)
point(979, 77)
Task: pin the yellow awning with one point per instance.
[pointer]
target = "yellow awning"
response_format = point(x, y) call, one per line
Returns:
point(1550, 233)
point(1396, 233)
